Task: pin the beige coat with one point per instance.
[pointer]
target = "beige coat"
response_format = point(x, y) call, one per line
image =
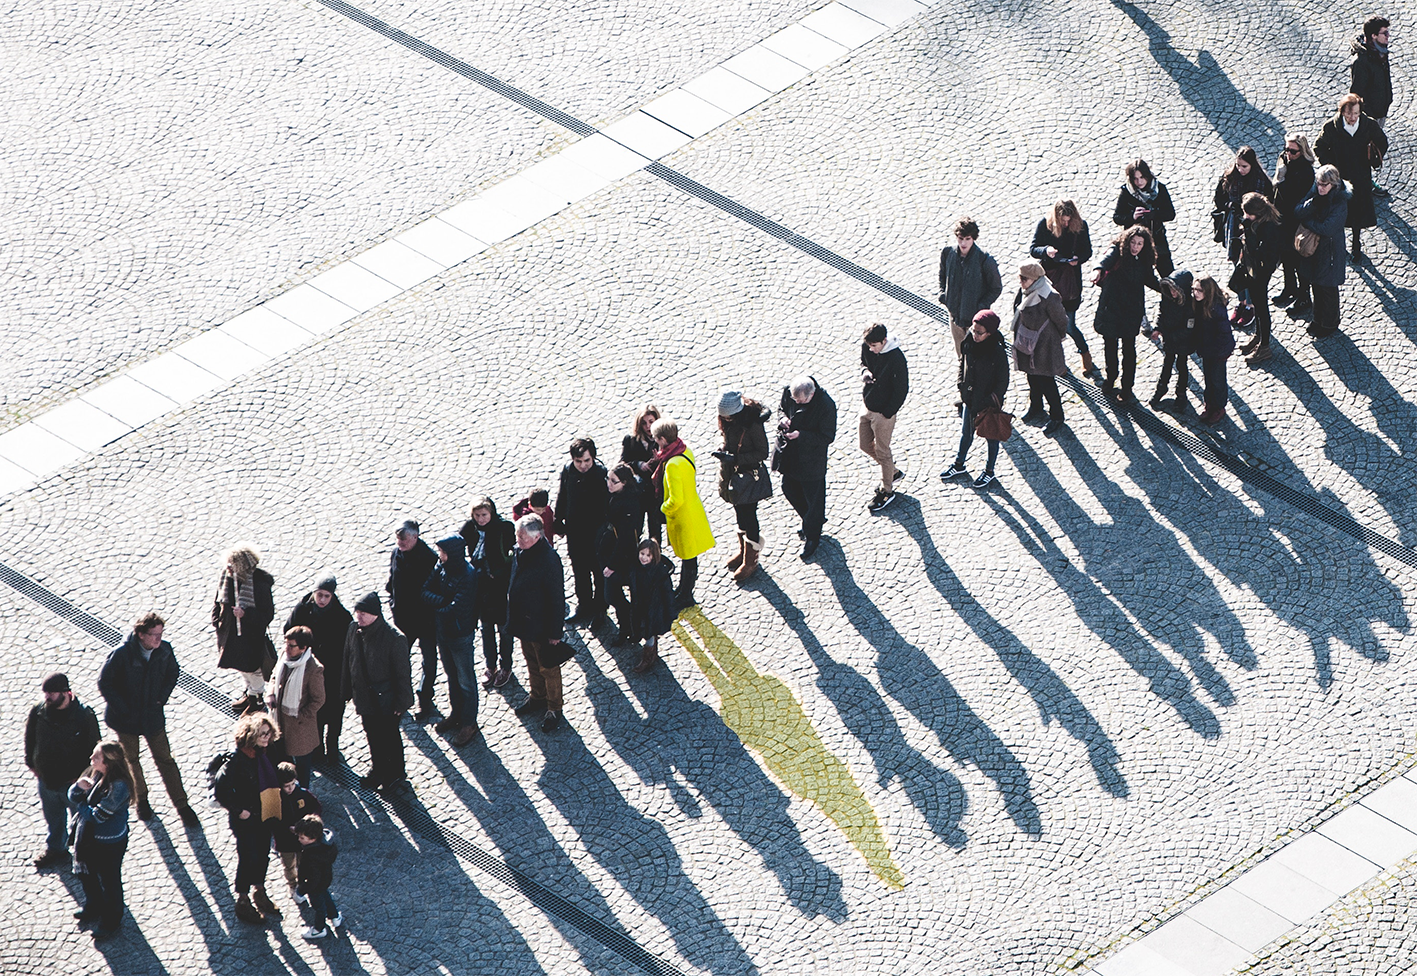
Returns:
point(301, 733)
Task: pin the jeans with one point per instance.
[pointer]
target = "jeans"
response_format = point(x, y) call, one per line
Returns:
point(322, 906)
point(966, 438)
point(103, 883)
point(1217, 388)
point(1128, 345)
point(1042, 388)
point(460, 663)
point(166, 767)
point(497, 654)
point(55, 804)
point(1325, 308)
point(875, 439)
point(809, 498)
point(747, 518)
point(1075, 333)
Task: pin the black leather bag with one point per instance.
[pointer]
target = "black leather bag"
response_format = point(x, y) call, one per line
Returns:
point(1217, 217)
point(747, 487)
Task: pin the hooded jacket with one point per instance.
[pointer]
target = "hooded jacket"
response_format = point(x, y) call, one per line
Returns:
point(886, 392)
point(315, 871)
point(1325, 214)
point(451, 592)
point(493, 564)
point(1177, 319)
point(1370, 77)
point(136, 690)
point(329, 624)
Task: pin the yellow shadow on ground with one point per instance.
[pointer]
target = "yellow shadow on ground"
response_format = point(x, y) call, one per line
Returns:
point(768, 719)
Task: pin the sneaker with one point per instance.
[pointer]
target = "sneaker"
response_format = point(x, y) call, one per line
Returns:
point(551, 722)
point(882, 499)
point(298, 898)
point(502, 676)
point(311, 933)
point(985, 480)
point(338, 921)
point(487, 677)
point(953, 471)
point(530, 707)
point(899, 474)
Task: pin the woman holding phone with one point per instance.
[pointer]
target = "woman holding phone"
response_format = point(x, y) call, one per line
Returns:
point(100, 799)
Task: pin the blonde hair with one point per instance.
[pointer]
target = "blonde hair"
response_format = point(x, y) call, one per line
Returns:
point(248, 727)
point(666, 428)
point(1062, 209)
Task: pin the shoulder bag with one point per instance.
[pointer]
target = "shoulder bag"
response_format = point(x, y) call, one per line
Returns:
point(993, 424)
point(747, 487)
point(1306, 242)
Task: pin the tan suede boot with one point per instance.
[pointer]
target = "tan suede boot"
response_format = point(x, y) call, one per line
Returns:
point(750, 560)
point(737, 560)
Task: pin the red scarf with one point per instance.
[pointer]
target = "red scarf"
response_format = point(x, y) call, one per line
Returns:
point(662, 457)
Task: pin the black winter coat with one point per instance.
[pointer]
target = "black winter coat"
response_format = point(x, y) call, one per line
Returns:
point(136, 690)
point(329, 624)
point(1262, 248)
point(408, 572)
point(59, 742)
point(1065, 277)
point(1161, 211)
point(1350, 154)
point(377, 674)
point(1324, 213)
point(315, 870)
point(536, 597)
point(983, 372)
point(582, 501)
point(1370, 78)
point(1291, 191)
point(451, 593)
point(493, 566)
point(250, 649)
point(619, 538)
point(651, 599)
point(1177, 319)
point(745, 437)
point(238, 787)
point(1122, 305)
point(805, 457)
point(885, 393)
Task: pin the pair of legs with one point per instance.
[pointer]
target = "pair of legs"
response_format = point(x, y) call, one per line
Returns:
point(385, 750)
point(55, 804)
point(545, 681)
point(747, 519)
point(966, 438)
point(496, 644)
point(688, 576)
point(253, 857)
point(1325, 309)
point(1259, 297)
point(1217, 387)
point(166, 767)
point(1041, 388)
point(809, 499)
point(103, 884)
point(1078, 338)
point(1128, 347)
point(617, 594)
point(427, 642)
point(1182, 365)
point(590, 582)
point(1296, 289)
point(875, 439)
point(331, 722)
point(460, 664)
point(322, 909)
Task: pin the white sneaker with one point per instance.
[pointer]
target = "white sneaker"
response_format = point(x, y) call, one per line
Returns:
point(311, 934)
point(298, 898)
point(338, 921)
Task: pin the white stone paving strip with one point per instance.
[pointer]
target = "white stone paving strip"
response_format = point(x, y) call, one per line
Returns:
point(1290, 887)
point(69, 432)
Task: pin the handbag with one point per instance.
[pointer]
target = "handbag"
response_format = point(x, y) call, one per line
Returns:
point(1375, 156)
point(1026, 339)
point(1306, 242)
point(993, 424)
point(1217, 217)
point(748, 487)
point(1239, 279)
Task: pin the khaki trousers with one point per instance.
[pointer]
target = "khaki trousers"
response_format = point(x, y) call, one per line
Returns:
point(166, 767)
point(876, 431)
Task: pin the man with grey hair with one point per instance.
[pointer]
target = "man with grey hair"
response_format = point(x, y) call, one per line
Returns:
point(536, 601)
point(807, 428)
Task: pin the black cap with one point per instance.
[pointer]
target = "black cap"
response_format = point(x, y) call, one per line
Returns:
point(55, 683)
point(370, 603)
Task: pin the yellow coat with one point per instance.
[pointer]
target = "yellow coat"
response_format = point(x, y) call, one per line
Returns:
point(685, 521)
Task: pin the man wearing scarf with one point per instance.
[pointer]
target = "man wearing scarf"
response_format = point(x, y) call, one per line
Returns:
point(297, 694)
point(1370, 74)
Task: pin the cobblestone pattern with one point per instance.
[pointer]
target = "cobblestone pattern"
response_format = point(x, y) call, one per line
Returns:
point(168, 167)
point(1072, 702)
point(880, 156)
point(1369, 933)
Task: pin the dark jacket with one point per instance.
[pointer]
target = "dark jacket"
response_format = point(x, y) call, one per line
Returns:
point(620, 536)
point(316, 866)
point(493, 564)
point(59, 742)
point(1370, 77)
point(885, 392)
point(983, 372)
point(1177, 319)
point(536, 597)
point(1325, 214)
point(1214, 337)
point(745, 438)
point(1262, 249)
point(969, 284)
point(805, 457)
point(1290, 192)
point(1230, 194)
point(1350, 154)
point(1065, 277)
point(1050, 320)
point(376, 670)
point(1161, 212)
point(581, 502)
point(635, 452)
point(136, 690)
point(451, 592)
point(249, 650)
point(651, 599)
point(408, 572)
point(1122, 304)
point(329, 624)
point(238, 787)
point(294, 806)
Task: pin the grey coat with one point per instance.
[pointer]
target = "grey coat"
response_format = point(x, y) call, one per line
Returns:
point(969, 284)
point(1047, 356)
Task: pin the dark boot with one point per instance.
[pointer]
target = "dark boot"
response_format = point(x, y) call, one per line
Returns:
point(263, 903)
point(649, 657)
point(248, 912)
point(737, 560)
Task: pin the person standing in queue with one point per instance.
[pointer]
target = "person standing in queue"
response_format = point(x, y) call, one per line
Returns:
point(297, 694)
point(377, 678)
point(321, 611)
point(536, 599)
point(637, 450)
point(1370, 74)
point(1293, 179)
point(805, 429)
point(1354, 143)
point(983, 381)
point(451, 593)
point(410, 564)
point(1324, 212)
point(60, 735)
point(1040, 326)
point(1242, 176)
point(1063, 244)
point(581, 504)
point(1262, 230)
point(969, 278)
point(1215, 341)
point(615, 548)
point(685, 521)
point(741, 422)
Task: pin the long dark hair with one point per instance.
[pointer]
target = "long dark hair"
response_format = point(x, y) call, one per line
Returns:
point(1233, 178)
point(116, 769)
point(1214, 295)
point(1148, 251)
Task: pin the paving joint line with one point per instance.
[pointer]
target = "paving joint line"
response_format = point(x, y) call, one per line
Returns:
point(416, 819)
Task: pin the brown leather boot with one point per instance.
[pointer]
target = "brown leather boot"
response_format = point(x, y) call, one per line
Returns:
point(737, 560)
point(751, 551)
point(248, 912)
point(264, 904)
point(648, 659)
point(465, 735)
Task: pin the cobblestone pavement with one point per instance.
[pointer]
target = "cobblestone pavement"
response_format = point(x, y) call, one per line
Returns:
point(1072, 703)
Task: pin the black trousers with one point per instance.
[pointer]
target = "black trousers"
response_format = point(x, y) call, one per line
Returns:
point(428, 645)
point(1128, 345)
point(497, 655)
point(590, 584)
point(616, 591)
point(103, 885)
point(1325, 308)
point(1259, 297)
point(1042, 388)
point(253, 852)
point(385, 749)
point(1182, 364)
point(809, 498)
point(1294, 282)
point(330, 718)
point(1217, 386)
point(747, 516)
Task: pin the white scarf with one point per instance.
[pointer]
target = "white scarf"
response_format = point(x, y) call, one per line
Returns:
point(290, 701)
point(1350, 129)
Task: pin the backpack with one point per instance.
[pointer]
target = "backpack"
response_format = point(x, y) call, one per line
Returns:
point(214, 770)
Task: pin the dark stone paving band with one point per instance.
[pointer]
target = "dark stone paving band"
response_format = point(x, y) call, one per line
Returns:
point(1246, 472)
point(416, 818)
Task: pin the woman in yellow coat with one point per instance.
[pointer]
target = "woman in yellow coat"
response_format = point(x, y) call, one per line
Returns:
point(685, 522)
